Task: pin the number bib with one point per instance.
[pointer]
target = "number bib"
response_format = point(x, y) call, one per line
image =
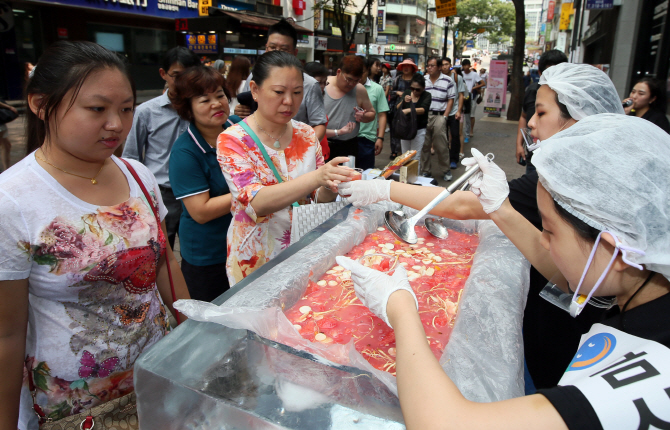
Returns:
point(625, 378)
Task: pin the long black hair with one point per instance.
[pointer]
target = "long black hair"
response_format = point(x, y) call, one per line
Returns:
point(656, 89)
point(64, 66)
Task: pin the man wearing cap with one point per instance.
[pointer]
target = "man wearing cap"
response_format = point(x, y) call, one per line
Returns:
point(400, 84)
point(442, 91)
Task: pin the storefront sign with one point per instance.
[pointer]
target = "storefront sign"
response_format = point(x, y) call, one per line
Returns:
point(381, 20)
point(303, 40)
point(599, 4)
point(445, 8)
point(566, 11)
point(321, 43)
point(336, 31)
point(239, 51)
point(181, 25)
point(543, 28)
point(203, 7)
point(496, 85)
point(203, 43)
point(374, 49)
point(561, 41)
point(383, 40)
point(161, 8)
point(318, 24)
point(62, 33)
point(550, 10)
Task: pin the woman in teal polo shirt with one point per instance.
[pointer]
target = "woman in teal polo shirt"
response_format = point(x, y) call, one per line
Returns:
point(197, 181)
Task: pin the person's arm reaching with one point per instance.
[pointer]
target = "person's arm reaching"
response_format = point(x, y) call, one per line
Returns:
point(203, 208)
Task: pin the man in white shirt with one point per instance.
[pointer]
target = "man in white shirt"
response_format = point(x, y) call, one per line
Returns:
point(442, 90)
point(473, 82)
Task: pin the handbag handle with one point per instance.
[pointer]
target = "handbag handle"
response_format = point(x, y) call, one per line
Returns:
point(267, 158)
point(154, 209)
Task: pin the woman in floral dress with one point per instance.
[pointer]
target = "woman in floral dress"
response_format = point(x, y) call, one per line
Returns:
point(83, 272)
point(261, 205)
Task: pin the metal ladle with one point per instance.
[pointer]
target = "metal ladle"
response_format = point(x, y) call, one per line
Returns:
point(403, 227)
point(435, 225)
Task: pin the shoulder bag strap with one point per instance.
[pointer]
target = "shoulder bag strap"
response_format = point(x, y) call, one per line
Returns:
point(267, 158)
point(154, 209)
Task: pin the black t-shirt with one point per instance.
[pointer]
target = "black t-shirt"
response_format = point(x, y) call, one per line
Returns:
point(647, 321)
point(550, 335)
point(657, 117)
point(424, 102)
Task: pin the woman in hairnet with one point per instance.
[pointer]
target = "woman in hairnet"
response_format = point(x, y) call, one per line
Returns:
point(568, 93)
point(606, 232)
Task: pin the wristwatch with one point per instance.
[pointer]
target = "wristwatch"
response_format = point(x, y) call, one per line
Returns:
point(380, 137)
point(336, 133)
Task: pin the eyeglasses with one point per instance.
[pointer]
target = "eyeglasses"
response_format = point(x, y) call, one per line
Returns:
point(417, 89)
point(350, 81)
point(283, 48)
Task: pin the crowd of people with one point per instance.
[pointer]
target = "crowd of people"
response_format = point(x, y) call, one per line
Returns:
point(222, 157)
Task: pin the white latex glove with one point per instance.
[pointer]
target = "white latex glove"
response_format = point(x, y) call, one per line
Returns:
point(363, 193)
point(374, 288)
point(489, 184)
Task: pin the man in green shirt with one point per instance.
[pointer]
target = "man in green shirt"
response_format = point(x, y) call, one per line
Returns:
point(371, 134)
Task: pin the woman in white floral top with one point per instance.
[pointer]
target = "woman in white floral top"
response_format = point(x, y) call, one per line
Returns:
point(261, 206)
point(83, 274)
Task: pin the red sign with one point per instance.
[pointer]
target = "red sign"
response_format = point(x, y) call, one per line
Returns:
point(181, 24)
point(550, 10)
point(62, 33)
point(299, 6)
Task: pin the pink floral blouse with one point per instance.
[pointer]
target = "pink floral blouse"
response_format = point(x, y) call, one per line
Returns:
point(93, 301)
point(254, 240)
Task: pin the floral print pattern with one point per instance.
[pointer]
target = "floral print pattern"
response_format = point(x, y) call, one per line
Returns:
point(255, 240)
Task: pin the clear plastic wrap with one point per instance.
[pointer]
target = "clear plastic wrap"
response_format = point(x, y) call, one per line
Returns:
point(484, 356)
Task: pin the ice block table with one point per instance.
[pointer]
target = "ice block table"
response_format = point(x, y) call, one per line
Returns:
point(243, 366)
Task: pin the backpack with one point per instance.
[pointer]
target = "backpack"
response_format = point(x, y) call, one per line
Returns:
point(404, 125)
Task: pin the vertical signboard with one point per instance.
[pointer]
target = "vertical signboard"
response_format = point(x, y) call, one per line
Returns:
point(550, 10)
point(203, 7)
point(496, 85)
point(566, 11)
point(381, 20)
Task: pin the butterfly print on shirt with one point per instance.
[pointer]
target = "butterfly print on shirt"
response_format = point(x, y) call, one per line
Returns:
point(134, 268)
point(129, 315)
point(91, 369)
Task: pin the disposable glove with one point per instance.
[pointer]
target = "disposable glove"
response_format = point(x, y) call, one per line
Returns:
point(374, 288)
point(489, 184)
point(363, 193)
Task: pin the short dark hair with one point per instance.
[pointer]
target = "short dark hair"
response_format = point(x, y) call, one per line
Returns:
point(353, 64)
point(656, 89)
point(447, 59)
point(565, 113)
point(437, 60)
point(465, 62)
point(551, 58)
point(419, 79)
point(180, 55)
point(284, 28)
point(371, 61)
point(64, 66)
point(272, 59)
point(316, 69)
point(194, 82)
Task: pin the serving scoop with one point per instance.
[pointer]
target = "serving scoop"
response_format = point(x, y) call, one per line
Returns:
point(402, 226)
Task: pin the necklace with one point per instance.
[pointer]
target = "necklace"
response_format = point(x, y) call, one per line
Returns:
point(93, 181)
point(276, 144)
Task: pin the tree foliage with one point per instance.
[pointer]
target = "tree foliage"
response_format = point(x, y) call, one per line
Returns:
point(496, 16)
point(339, 8)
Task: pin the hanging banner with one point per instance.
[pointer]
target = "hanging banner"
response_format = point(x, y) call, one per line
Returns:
point(566, 11)
point(381, 20)
point(496, 85)
point(445, 8)
point(550, 10)
point(599, 4)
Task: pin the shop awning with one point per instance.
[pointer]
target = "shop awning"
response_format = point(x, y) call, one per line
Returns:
point(263, 22)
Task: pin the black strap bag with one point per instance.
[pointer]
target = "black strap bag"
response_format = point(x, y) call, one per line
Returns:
point(404, 125)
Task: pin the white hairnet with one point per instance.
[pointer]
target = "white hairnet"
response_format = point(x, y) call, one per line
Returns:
point(613, 172)
point(583, 89)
